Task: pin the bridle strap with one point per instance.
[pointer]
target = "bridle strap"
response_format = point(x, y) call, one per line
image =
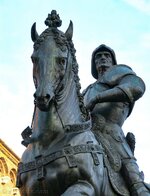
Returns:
point(33, 116)
point(55, 104)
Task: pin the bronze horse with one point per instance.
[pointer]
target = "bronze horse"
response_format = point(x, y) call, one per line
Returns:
point(63, 156)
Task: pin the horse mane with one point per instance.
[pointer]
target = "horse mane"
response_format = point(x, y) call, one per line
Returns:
point(62, 42)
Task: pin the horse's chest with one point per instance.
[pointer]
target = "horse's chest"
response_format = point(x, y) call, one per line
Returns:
point(57, 177)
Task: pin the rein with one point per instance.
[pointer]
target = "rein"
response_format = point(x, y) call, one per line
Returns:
point(28, 131)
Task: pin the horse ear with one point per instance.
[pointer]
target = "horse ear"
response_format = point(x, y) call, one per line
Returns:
point(34, 34)
point(69, 31)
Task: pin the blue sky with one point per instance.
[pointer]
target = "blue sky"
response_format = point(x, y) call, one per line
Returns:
point(120, 24)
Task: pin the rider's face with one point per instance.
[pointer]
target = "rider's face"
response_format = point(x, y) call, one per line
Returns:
point(103, 59)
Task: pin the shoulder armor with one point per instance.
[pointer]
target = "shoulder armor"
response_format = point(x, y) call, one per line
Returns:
point(85, 90)
point(116, 73)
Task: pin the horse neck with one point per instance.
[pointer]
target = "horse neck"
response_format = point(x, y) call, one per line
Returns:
point(68, 103)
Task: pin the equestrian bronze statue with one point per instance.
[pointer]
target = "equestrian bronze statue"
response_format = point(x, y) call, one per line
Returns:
point(65, 153)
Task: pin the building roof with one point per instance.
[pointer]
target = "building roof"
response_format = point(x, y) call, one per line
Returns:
point(9, 152)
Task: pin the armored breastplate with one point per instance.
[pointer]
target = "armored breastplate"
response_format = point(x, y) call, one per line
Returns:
point(115, 112)
point(112, 112)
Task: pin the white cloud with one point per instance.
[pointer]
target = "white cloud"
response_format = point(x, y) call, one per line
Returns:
point(142, 5)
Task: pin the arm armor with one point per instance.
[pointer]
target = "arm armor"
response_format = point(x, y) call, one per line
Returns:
point(124, 84)
point(130, 89)
point(133, 86)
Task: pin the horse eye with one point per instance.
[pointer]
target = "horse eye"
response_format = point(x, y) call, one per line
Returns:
point(62, 61)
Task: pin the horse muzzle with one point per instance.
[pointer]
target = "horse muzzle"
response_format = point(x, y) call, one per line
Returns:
point(43, 102)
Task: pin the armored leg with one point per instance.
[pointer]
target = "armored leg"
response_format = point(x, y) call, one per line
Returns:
point(134, 178)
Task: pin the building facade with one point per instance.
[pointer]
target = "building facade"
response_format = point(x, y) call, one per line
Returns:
point(8, 170)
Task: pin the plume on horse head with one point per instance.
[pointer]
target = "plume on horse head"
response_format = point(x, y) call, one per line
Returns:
point(52, 21)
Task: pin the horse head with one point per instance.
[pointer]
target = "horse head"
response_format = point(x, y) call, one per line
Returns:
point(50, 60)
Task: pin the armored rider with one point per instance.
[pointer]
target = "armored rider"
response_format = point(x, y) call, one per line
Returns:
point(111, 99)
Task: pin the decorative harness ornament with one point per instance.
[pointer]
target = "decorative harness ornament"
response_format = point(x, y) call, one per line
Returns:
point(68, 152)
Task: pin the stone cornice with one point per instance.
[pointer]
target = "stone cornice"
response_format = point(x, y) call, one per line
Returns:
point(9, 153)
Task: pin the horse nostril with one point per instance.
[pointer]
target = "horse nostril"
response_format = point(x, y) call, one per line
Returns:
point(42, 98)
point(47, 96)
